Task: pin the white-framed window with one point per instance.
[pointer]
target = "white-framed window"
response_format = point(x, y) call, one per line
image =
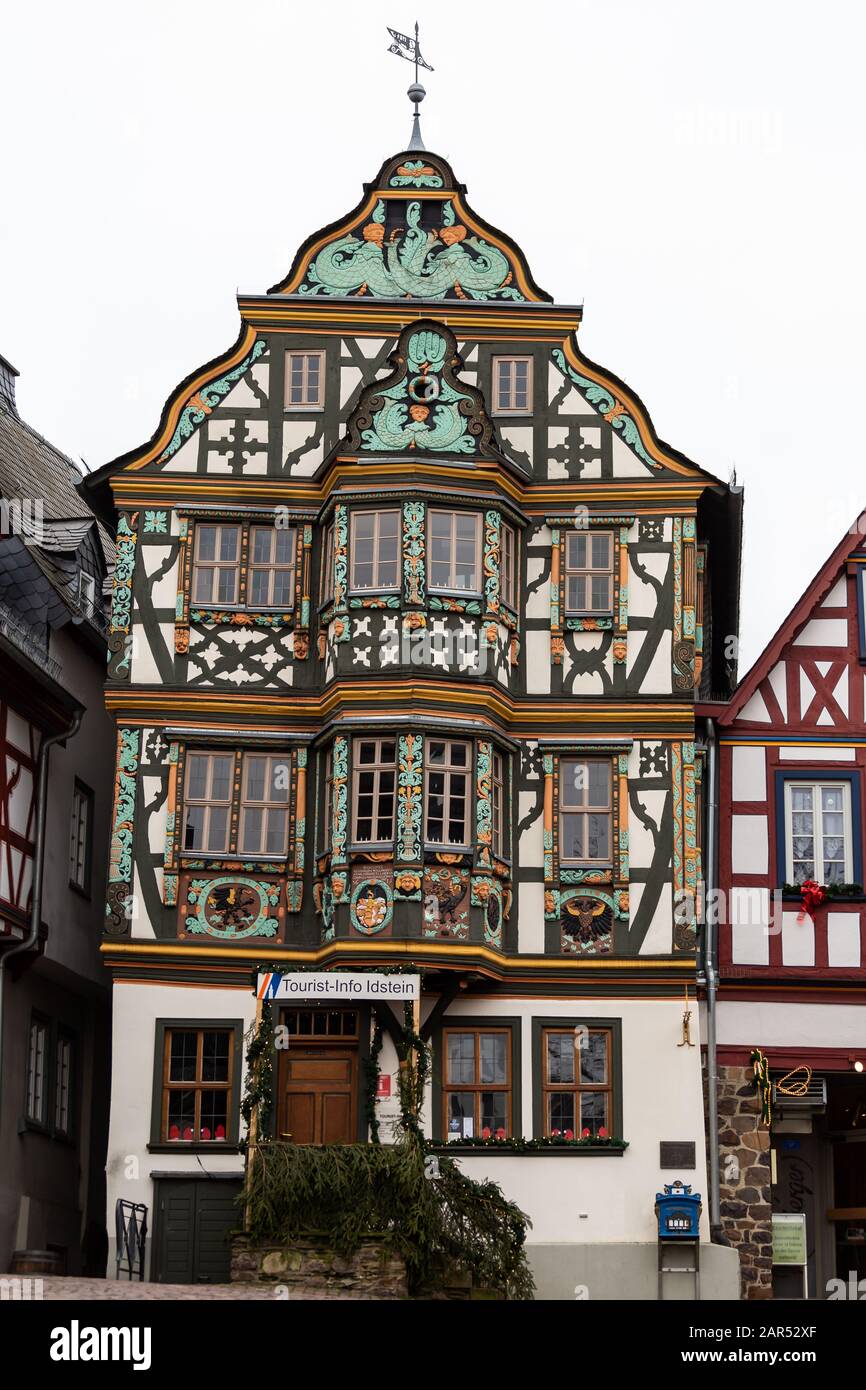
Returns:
point(326, 586)
point(447, 802)
point(305, 380)
point(376, 550)
point(454, 541)
point(264, 827)
point(81, 836)
point(271, 581)
point(497, 797)
point(585, 811)
point(508, 565)
point(86, 591)
point(588, 572)
point(512, 385)
point(208, 802)
point(37, 1071)
point(375, 772)
point(216, 570)
point(818, 841)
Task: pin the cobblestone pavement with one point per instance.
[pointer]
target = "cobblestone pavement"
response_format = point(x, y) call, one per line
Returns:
point(55, 1288)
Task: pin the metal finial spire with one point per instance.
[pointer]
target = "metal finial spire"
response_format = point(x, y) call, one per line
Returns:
point(410, 49)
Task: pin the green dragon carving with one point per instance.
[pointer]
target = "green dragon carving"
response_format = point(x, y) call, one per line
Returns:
point(421, 263)
point(392, 429)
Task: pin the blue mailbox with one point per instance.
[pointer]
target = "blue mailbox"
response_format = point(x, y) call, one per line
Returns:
point(679, 1212)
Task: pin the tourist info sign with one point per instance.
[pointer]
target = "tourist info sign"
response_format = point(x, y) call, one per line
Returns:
point(337, 986)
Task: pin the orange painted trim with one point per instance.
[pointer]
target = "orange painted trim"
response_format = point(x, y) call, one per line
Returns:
point(386, 195)
point(185, 394)
point(624, 397)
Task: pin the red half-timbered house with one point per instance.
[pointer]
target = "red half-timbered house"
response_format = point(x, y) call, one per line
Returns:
point(792, 929)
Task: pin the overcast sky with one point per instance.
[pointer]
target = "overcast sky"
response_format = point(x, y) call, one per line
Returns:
point(692, 172)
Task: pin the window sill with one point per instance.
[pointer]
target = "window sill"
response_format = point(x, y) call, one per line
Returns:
point(180, 1146)
point(830, 899)
point(530, 1148)
point(303, 409)
point(240, 617)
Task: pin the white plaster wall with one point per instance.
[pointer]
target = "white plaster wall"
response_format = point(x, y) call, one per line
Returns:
point(823, 632)
point(136, 1009)
point(843, 939)
point(659, 678)
point(749, 844)
point(808, 754)
point(530, 920)
point(757, 1023)
point(798, 939)
point(662, 1099)
point(749, 773)
point(538, 663)
point(641, 596)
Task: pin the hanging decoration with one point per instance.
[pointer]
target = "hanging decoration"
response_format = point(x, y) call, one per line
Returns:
point(761, 1069)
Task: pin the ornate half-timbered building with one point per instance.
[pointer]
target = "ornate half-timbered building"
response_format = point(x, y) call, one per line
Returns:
point(411, 608)
point(792, 935)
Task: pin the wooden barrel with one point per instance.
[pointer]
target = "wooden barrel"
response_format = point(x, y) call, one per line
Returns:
point(36, 1262)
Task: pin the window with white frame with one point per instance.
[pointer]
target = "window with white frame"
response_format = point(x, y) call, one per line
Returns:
point(375, 549)
point(588, 572)
point(818, 841)
point(585, 811)
point(327, 576)
point(81, 836)
point(512, 385)
point(508, 566)
point(216, 570)
point(264, 805)
point(272, 567)
point(305, 378)
point(454, 541)
point(447, 774)
point(375, 772)
point(208, 802)
point(497, 799)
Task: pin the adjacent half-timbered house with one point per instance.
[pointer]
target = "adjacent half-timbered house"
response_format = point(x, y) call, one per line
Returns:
point(792, 936)
point(410, 611)
point(55, 802)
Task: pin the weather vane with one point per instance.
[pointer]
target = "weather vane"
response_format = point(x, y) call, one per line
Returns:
point(410, 49)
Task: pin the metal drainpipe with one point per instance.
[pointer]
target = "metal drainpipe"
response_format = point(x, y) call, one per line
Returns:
point(711, 912)
point(38, 864)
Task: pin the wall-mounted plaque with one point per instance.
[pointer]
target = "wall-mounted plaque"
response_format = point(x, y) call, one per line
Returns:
point(676, 1155)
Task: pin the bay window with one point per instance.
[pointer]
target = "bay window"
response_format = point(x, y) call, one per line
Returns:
point(447, 781)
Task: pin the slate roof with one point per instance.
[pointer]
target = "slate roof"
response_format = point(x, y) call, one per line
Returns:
point(40, 563)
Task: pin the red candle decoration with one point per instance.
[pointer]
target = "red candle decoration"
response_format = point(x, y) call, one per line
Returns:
point(555, 1133)
point(220, 1132)
point(500, 1133)
point(205, 1134)
point(602, 1133)
point(187, 1134)
point(585, 1134)
point(174, 1132)
point(485, 1133)
point(569, 1134)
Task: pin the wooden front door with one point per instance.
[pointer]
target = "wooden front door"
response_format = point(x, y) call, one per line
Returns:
point(318, 1078)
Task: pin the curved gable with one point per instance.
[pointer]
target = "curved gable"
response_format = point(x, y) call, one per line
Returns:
point(412, 236)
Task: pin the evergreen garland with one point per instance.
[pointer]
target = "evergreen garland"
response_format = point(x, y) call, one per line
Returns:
point(371, 1071)
point(345, 1194)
